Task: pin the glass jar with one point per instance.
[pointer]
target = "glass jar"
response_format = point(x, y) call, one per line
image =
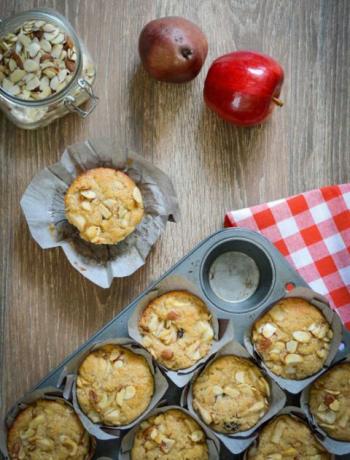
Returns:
point(32, 114)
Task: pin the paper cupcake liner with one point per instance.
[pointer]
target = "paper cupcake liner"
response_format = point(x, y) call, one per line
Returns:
point(50, 393)
point(320, 302)
point(294, 411)
point(237, 442)
point(68, 380)
point(332, 445)
point(43, 207)
point(223, 329)
point(128, 439)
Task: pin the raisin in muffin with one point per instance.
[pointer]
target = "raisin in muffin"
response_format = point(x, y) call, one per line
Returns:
point(104, 205)
point(48, 429)
point(172, 435)
point(176, 329)
point(114, 385)
point(287, 438)
point(293, 338)
point(231, 394)
point(329, 401)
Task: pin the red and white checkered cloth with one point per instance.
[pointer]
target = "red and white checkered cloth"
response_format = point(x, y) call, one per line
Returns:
point(312, 230)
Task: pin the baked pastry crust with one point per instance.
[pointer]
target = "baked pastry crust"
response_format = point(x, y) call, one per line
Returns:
point(171, 435)
point(48, 429)
point(329, 401)
point(114, 385)
point(286, 438)
point(293, 338)
point(176, 329)
point(104, 204)
point(231, 394)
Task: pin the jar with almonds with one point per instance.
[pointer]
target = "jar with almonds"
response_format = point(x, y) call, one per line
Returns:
point(45, 69)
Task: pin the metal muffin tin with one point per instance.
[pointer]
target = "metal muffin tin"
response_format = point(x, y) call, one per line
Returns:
point(276, 278)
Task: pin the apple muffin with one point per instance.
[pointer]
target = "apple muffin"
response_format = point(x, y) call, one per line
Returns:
point(114, 385)
point(48, 429)
point(172, 435)
point(104, 205)
point(292, 338)
point(329, 401)
point(231, 394)
point(287, 437)
point(176, 329)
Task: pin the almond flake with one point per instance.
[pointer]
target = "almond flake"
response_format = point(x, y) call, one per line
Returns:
point(54, 83)
point(45, 45)
point(33, 49)
point(30, 65)
point(268, 330)
point(17, 75)
point(292, 346)
point(293, 358)
point(56, 51)
point(302, 336)
point(33, 84)
point(196, 435)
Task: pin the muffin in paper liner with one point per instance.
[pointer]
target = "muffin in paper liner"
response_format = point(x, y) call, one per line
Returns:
point(49, 393)
point(320, 302)
point(223, 329)
point(212, 442)
point(296, 412)
point(238, 442)
point(68, 380)
point(44, 209)
point(333, 445)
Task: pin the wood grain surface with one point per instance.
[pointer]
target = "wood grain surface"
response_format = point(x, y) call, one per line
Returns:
point(47, 308)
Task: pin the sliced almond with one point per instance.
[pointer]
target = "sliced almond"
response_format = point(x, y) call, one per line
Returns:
point(89, 194)
point(12, 65)
point(292, 346)
point(166, 444)
point(232, 392)
point(92, 232)
point(54, 83)
point(120, 397)
point(78, 220)
point(45, 45)
point(328, 417)
point(302, 336)
point(217, 390)
point(196, 435)
point(293, 358)
point(48, 27)
point(30, 65)
point(106, 213)
point(17, 75)
point(33, 49)
point(33, 84)
point(321, 353)
point(240, 377)
point(56, 51)
point(86, 205)
point(137, 195)
point(268, 330)
point(335, 405)
point(130, 392)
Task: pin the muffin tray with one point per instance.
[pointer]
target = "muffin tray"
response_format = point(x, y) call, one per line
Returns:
point(238, 273)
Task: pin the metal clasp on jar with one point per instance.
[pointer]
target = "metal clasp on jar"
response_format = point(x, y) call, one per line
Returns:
point(71, 103)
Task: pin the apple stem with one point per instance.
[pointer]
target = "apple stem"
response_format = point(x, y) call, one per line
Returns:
point(278, 101)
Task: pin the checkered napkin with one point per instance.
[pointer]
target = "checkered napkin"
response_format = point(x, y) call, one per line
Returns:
point(312, 230)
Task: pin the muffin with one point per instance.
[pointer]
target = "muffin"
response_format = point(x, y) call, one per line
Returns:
point(293, 338)
point(176, 329)
point(287, 438)
point(231, 394)
point(114, 385)
point(48, 429)
point(172, 435)
point(329, 402)
point(104, 205)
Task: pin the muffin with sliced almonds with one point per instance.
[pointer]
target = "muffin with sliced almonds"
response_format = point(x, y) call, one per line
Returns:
point(176, 329)
point(231, 394)
point(171, 435)
point(329, 401)
point(114, 385)
point(104, 204)
point(292, 338)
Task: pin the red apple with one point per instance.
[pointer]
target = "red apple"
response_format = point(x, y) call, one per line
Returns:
point(243, 87)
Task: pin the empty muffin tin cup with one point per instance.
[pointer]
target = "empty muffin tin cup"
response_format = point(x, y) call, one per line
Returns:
point(49, 393)
point(237, 274)
point(223, 329)
point(320, 302)
point(332, 445)
point(68, 380)
point(128, 440)
point(238, 442)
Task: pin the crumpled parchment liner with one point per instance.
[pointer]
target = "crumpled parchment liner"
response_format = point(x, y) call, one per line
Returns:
point(43, 207)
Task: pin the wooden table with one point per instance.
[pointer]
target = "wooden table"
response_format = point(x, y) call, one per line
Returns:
point(47, 308)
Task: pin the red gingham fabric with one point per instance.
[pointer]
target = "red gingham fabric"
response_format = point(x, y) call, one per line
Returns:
point(312, 230)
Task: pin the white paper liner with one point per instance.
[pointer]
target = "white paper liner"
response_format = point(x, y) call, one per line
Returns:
point(128, 439)
point(332, 445)
point(295, 386)
point(295, 412)
point(69, 375)
point(50, 393)
point(237, 442)
point(43, 207)
point(223, 329)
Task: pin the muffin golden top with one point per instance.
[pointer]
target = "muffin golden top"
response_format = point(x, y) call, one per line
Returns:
point(231, 394)
point(114, 385)
point(171, 435)
point(330, 401)
point(48, 430)
point(293, 338)
point(287, 438)
point(104, 204)
point(176, 329)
